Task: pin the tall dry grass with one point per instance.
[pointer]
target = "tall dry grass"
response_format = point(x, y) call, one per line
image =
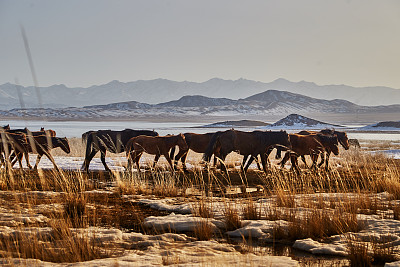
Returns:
point(354, 173)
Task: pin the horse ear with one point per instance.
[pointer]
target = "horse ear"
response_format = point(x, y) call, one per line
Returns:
point(42, 129)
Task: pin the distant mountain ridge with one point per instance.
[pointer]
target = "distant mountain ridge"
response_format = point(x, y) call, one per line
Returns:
point(268, 103)
point(162, 90)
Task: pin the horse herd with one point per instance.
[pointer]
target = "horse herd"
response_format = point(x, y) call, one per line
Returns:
point(220, 144)
point(17, 143)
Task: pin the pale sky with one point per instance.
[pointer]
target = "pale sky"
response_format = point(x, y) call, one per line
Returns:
point(87, 42)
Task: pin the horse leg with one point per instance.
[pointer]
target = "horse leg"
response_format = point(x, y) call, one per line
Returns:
point(169, 161)
point(26, 154)
point(278, 153)
point(103, 160)
point(303, 158)
point(293, 160)
point(264, 161)
point(327, 161)
point(156, 158)
point(314, 158)
point(222, 163)
point(136, 158)
point(183, 160)
point(245, 158)
point(37, 161)
point(246, 167)
point(322, 159)
point(50, 157)
point(178, 157)
point(284, 160)
point(88, 159)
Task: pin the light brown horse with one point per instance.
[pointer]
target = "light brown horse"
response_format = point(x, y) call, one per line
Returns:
point(155, 145)
point(42, 145)
point(312, 144)
point(196, 142)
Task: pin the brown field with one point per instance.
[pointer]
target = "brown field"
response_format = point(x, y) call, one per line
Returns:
point(61, 217)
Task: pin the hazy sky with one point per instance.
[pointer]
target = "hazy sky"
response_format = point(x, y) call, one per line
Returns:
point(82, 43)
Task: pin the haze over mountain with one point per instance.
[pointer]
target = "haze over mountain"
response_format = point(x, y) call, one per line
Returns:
point(268, 103)
point(161, 90)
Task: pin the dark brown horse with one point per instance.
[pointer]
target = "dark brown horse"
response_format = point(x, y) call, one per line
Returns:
point(26, 131)
point(312, 144)
point(11, 143)
point(248, 144)
point(108, 140)
point(42, 145)
point(155, 145)
point(196, 142)
point(30, 138)
point(341, 137)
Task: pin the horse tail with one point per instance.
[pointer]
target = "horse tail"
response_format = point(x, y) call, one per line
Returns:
point(88, 137)
point(211, 146)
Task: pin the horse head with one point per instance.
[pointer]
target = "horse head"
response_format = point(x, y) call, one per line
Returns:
point(343, 139)
point(181, 142)
point(285, 140)
point(64, 144)
point(6, 127)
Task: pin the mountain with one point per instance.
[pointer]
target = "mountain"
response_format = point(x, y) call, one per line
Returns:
point(198, 101)
point(270, 103)
point(382, 126)
point(162, 90)
point(295, 121)
point(234, 124)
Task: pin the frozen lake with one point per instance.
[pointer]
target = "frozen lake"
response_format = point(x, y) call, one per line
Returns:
point(76, 128)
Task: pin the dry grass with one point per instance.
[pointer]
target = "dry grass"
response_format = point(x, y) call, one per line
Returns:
point(250, 211)
point(203, 209)
point(203, 230)
point(354, 172)
point(231, 218)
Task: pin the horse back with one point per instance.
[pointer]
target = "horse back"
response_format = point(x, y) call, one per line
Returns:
point(303, 144)
point(198, 142)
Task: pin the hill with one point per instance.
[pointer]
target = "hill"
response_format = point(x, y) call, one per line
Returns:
point(295, 122)
point(162, 90)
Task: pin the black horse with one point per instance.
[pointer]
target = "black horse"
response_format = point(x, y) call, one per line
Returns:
point(108, 140)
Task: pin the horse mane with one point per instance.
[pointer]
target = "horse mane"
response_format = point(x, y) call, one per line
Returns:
point(328, 131)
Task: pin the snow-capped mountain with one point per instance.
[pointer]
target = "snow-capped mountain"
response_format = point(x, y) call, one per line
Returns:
point(162, 90)
point(296, 121)
point(268, 103)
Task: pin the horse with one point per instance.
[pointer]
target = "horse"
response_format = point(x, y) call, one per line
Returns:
point(11, 143)
point(155, 145)
point(196, 142)
point(42, 145)
point(354, 142)
point(30, 138)
point(26, 131)
point(312, 144)
point(49, 132)
point(341, 137)
point(108, 140)
point(248, 144)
